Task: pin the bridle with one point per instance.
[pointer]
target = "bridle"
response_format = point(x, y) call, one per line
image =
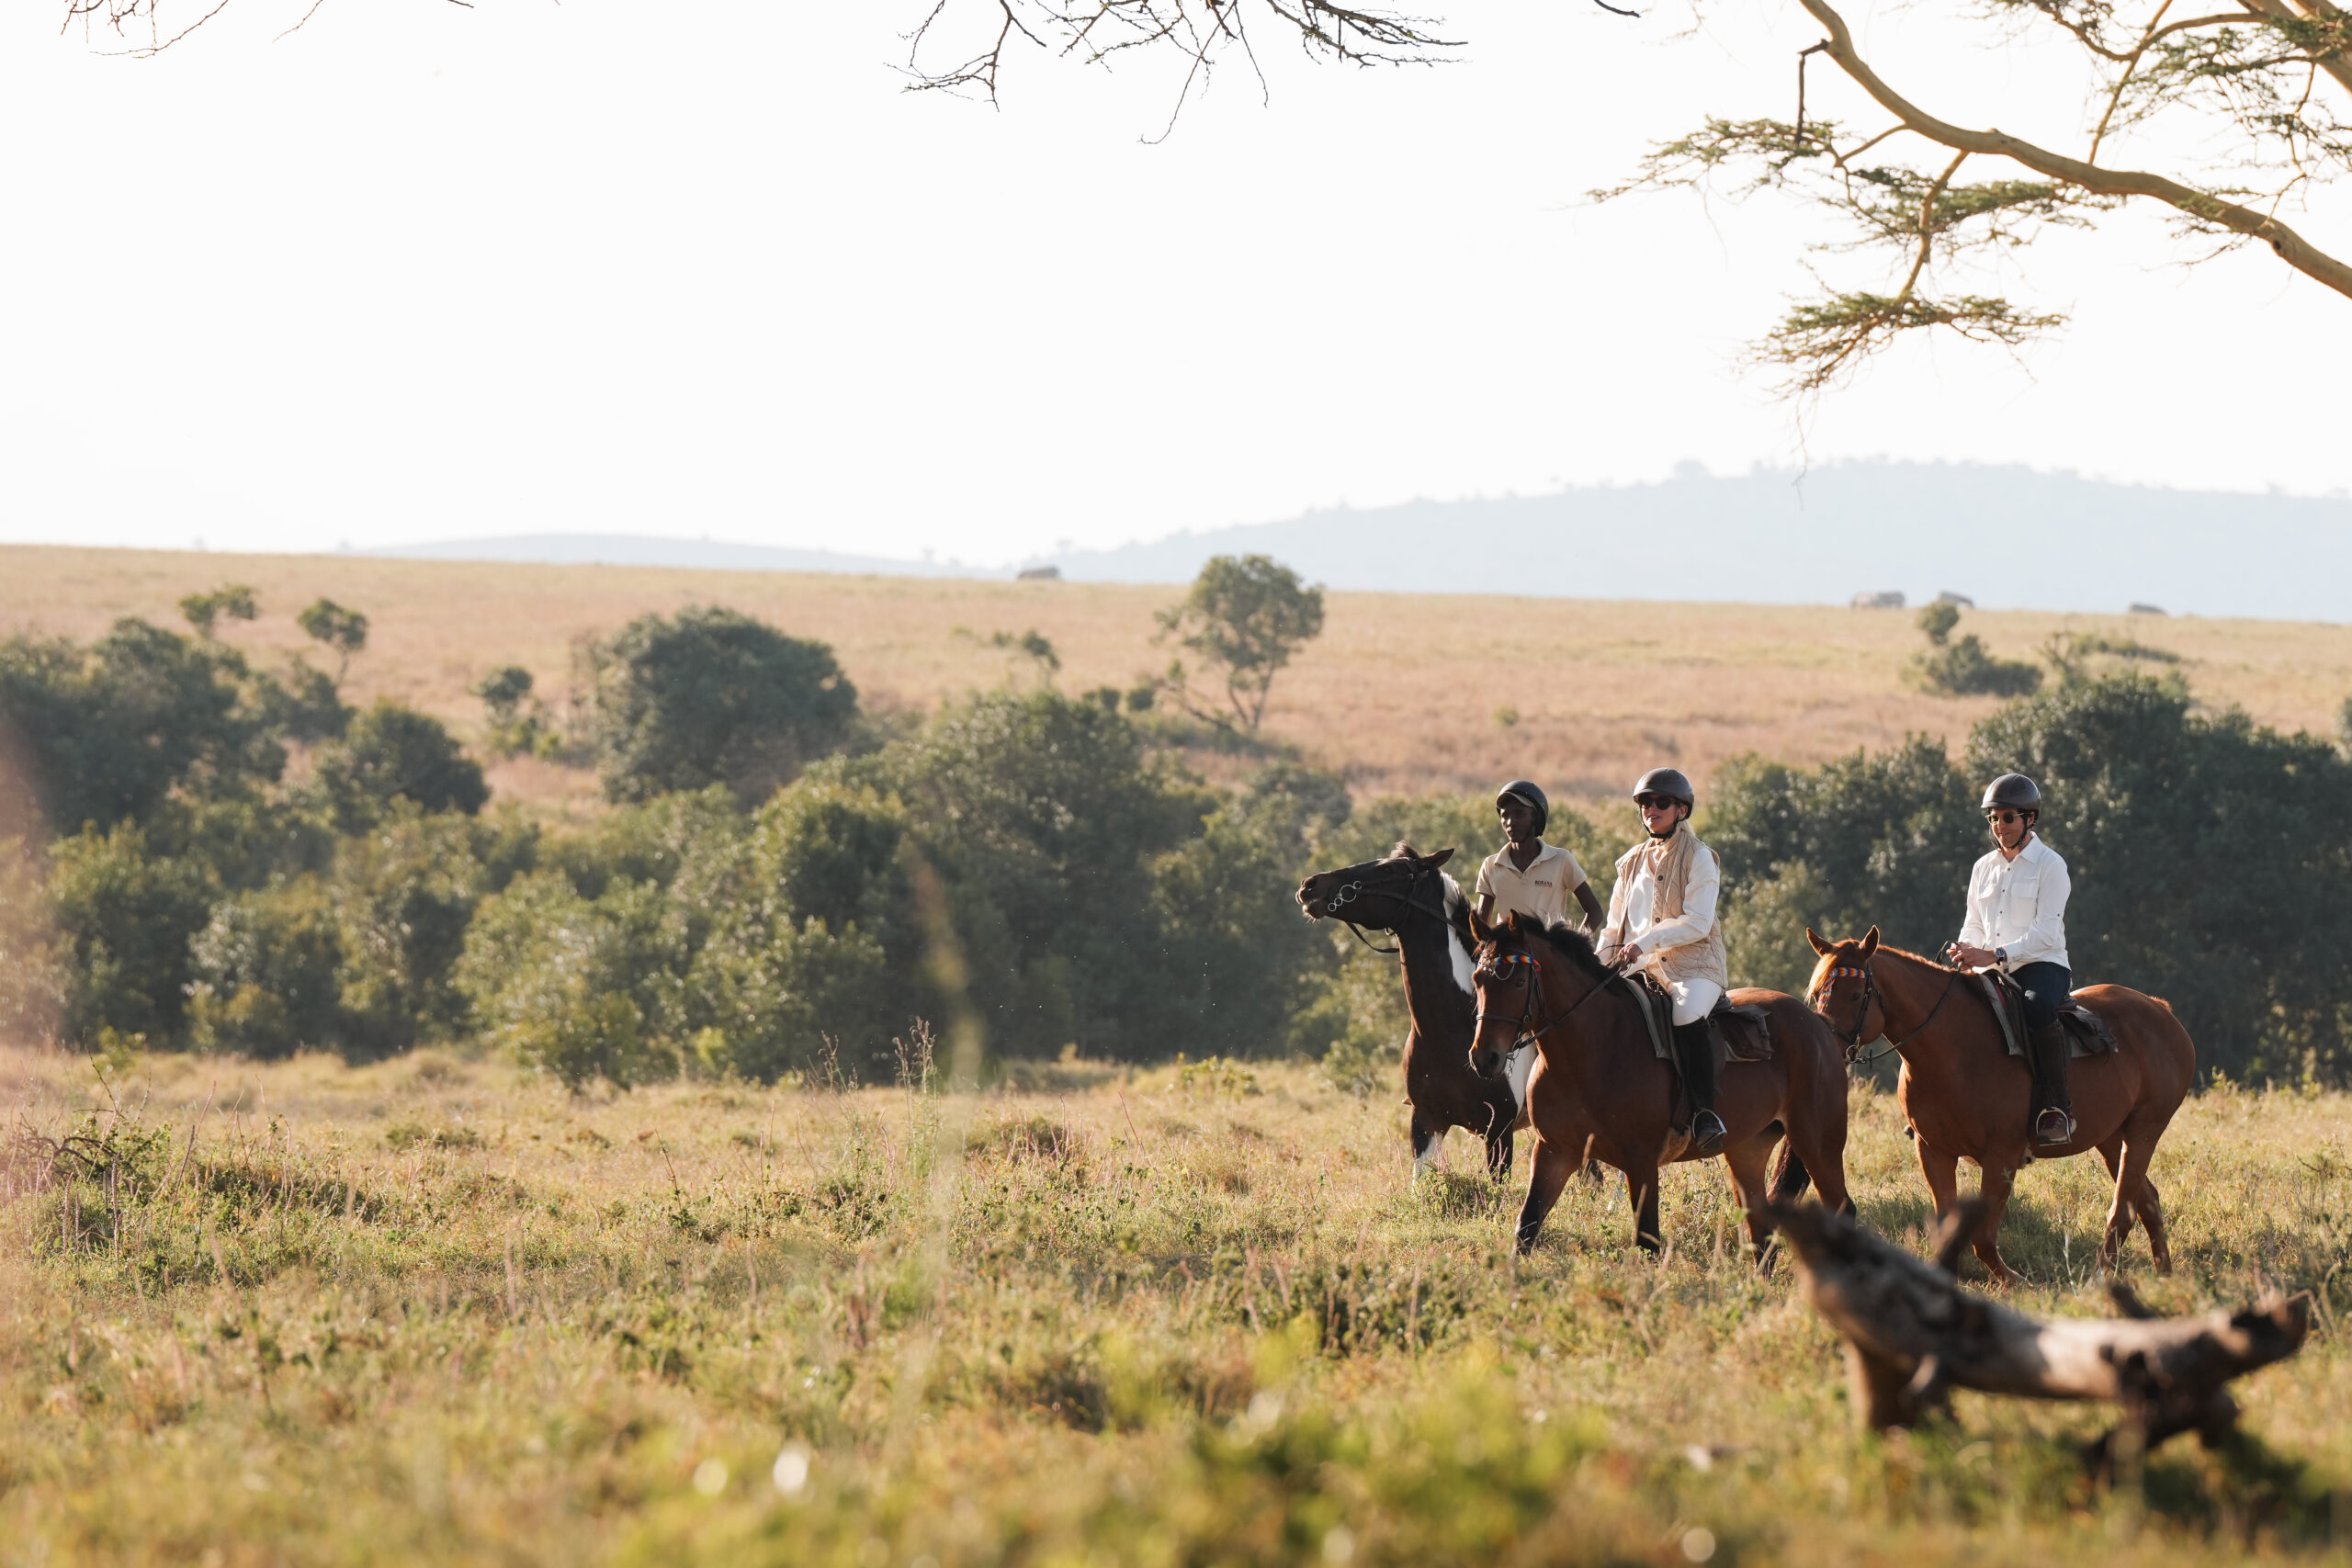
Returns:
point(1493, 969)
point(1852, 1038)
point(1348, 892)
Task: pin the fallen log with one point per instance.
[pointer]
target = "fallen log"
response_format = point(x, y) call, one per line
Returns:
point(1913, 1335)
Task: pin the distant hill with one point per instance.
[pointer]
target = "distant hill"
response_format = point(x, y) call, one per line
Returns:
point(2008, 537)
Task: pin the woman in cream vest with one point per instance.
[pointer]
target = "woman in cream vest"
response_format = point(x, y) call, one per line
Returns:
point(1662, 918)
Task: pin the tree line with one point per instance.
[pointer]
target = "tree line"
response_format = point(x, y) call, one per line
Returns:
point(204, 853)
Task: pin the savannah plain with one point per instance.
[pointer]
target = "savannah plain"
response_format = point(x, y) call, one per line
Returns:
point(435, 1309)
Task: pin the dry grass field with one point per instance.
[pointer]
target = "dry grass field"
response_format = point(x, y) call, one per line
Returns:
point(433, 1309)
point(1401, 693)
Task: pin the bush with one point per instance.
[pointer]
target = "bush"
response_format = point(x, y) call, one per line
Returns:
point(393, 753)
point(36, 976)
point(1883, 840)
point(105, 733)
point(268, 968)
point(710, 697)
point(583, 988)
point(404, 893)
point(1963, 668)
point(125, 919)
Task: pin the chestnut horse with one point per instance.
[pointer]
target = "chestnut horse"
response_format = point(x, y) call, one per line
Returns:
point(1406, 894)
point(1599, 1091)
point(1964, 1097)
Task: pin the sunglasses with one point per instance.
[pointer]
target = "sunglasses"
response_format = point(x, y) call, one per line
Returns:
point(2005, 818)
point(1655, 802)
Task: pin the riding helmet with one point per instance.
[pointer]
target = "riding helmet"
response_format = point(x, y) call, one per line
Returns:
point(1527, 791)
point(1667, 782)
point(2014, 791)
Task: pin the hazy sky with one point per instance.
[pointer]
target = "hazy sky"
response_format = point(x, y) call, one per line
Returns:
point(422, 272)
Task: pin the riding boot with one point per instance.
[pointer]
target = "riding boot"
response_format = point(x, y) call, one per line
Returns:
point(1697, 1055)
point(2053, 1104)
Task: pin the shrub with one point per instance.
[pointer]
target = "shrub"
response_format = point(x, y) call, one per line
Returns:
point(713, 696)
point(268, 967)
point(404, 893)
point(393, 753)
point(125, 919)
point(583, 988)
point(1963, 668)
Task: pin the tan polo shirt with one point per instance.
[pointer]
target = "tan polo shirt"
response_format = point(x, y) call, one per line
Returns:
point(1545, 890)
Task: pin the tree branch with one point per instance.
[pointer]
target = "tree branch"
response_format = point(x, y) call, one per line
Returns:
point(2204, 208)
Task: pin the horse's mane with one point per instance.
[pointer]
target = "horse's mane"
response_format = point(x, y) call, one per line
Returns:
point(1456, 902)
point(1890, 949)
point(1563, 940)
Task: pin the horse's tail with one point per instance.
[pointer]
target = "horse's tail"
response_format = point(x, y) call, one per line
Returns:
point(1790, 1178)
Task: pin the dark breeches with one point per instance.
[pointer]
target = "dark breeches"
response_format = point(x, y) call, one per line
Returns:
point(2046, 988)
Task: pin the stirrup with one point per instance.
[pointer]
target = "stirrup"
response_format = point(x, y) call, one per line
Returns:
point(1707, 1133)
point(2054, 1126)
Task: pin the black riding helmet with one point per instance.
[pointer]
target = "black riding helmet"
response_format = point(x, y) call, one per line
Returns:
point(1667, 782)
point(1526, 790)
point(2014, 791)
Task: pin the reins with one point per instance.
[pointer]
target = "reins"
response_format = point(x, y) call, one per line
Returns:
point(1853, 1037)
point(1527, 1036)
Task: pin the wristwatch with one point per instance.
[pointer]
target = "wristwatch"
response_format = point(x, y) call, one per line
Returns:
point(2001, 955)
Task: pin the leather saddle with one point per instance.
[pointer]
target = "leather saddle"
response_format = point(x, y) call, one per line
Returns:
point(1738, 1032)
point(2088, 1035)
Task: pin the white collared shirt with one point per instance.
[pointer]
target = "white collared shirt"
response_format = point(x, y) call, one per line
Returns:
point(2019, 906)
point(1542, 892)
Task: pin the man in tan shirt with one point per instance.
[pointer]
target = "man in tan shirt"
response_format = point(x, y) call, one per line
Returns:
point(1527, 874)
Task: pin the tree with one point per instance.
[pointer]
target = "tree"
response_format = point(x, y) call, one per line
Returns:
point(343, 630)
point(1964, 669)
point(2245, 101)
point(1246, 615)
point(236, 600)
point(392, 753)
point(714, 696)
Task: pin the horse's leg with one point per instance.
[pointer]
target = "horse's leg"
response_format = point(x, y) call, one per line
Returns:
point(1942, 1171)
point(2151, 1214)
point(1995, 1190)
point(2120, 1211)
point(1746, 1161)
point(1640, 1195)
point(1817, 1149)
point(1429, 1145)
point(1553, 1166)
point(2132, 1187)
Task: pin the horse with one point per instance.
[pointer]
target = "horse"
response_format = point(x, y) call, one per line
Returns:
point(1600, 1093)
point(1405, 893)
point(1964, 1097)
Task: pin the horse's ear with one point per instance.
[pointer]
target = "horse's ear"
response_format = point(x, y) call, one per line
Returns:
point(1438, 859)
point(1869, 944)
point(1480, 931)
point(1819, 946)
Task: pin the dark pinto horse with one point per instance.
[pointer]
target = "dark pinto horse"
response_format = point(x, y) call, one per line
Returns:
point(1964, 1097)
point(1600, 1093)
point(1407, 893)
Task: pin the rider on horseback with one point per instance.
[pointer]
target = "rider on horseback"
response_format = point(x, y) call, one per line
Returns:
point(1528, 874)
point(2016, 922)
point(1662, 918)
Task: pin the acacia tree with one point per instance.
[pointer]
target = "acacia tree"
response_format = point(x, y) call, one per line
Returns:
point(2261, 88)
point(1245, 616)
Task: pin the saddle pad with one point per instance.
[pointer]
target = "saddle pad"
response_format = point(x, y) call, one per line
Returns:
point(2087, 1033)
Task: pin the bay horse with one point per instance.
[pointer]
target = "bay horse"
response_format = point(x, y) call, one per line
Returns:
point(1406, 894)
point(1600, 1092)
point(1964, 1097)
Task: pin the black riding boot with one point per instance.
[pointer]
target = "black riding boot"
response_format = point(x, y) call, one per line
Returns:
point(1697, 1055)
point(2053, 1103)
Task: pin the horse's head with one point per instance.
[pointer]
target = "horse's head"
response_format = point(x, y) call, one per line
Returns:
point(1842, 990)
point(1507, 982)
point(1375, 893)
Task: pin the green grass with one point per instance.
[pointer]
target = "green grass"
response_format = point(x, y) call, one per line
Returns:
point(434, 1309)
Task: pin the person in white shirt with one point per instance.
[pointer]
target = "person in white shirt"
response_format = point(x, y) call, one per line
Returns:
point(2016, 922)
point(1662, 918)
point(1527, 874)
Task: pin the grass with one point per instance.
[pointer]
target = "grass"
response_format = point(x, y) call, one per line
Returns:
point(1403, 694)
point(434, 1309)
